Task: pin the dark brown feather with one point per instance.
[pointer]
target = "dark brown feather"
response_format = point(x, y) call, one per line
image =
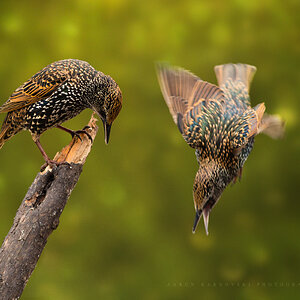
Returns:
point(37, 88)
point(177, 86)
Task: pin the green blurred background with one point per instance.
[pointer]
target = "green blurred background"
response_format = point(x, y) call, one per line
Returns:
point(126, 230)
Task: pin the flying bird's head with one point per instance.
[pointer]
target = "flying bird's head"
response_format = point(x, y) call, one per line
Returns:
point(207, 190)
point(107, 102)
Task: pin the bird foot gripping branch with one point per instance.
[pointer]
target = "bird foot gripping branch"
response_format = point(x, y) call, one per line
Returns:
point(219, 123)
point(79, 136)
point(77, 132)
point(77, 150)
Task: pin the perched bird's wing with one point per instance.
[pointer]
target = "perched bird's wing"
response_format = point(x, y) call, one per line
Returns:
point(38, 87)
point(186, 93)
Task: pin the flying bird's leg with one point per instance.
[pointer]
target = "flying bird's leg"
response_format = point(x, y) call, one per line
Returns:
point(238, 176)
point(75, 133)
point(240, 172)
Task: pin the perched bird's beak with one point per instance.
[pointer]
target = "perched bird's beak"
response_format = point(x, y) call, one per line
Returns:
point(107, 128)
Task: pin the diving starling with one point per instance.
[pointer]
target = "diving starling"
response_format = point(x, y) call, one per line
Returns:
point(56, 94)
point(219, 123)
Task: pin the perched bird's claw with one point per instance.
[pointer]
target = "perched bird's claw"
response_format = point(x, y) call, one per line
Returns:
point(77, 133)
point(51, 163)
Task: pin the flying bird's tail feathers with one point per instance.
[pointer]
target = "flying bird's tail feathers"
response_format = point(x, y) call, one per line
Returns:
point(235, 72)
point(272, 125)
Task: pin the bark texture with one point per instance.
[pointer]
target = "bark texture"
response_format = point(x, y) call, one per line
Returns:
point(39, 213)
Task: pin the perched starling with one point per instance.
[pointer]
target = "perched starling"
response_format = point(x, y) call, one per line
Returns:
point(56, 94)
point(219, 123)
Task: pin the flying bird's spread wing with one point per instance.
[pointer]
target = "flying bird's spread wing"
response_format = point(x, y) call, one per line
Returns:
point(198, 109)
point(177, 86)
point(185, 95)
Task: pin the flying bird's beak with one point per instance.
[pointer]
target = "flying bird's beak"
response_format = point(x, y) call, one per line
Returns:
point(107, 128)
point(197, 219)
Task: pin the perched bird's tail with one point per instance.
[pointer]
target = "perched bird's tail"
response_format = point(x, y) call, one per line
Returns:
point(2, 138)
point(6, 132)
point(242, 72)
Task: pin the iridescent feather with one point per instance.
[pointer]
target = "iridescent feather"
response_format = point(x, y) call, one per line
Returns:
point(218, 122)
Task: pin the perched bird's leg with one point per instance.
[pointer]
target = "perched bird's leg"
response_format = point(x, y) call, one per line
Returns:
point(49, 161)
point(76, 133)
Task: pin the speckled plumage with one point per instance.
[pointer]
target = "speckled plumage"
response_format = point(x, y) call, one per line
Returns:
point(219, 123)
point(56, 94)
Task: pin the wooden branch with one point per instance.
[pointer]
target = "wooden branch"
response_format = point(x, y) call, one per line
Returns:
point(39, 215)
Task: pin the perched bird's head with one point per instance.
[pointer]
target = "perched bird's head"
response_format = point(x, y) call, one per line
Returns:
point(107, 102)
point(207, 190)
